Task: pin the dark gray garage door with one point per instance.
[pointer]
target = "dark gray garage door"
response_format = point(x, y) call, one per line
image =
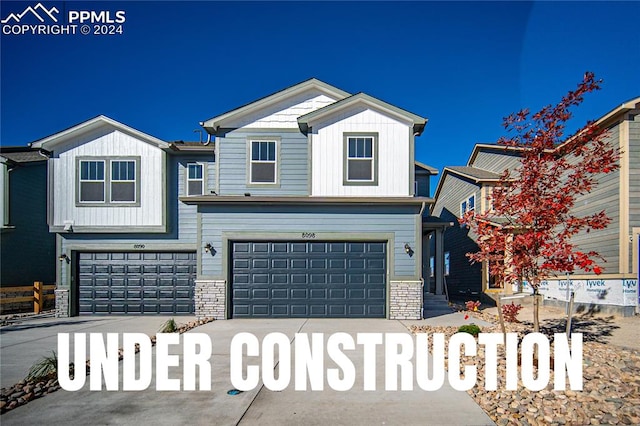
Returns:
point(309, 279)
point(137, 283)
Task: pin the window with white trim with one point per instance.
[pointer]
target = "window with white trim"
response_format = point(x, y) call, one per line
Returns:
point(264, 164)
point(468, 205)
point(123, 181)
point(195, 179)
point(92, 182)
point(360, 159)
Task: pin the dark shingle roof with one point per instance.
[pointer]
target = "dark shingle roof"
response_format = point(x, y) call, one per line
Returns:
point(474, 172)
point(22, 154)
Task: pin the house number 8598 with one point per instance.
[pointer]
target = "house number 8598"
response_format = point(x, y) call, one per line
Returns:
point(308, 235)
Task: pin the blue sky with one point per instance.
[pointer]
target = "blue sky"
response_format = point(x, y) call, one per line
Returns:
point(462, 65)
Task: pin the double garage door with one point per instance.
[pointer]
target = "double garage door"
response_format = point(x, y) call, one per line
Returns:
point(308, 279)
point(136, 283)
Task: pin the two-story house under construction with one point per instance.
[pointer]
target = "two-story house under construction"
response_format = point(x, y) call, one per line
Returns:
point(465, 188)
point(303, 204)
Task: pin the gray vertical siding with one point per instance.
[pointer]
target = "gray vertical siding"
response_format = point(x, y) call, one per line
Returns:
point(28, 251)
point(464, 278)
point(271, 222)
point(292, 168)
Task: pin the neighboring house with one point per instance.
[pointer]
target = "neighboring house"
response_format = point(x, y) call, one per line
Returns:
point(466, 188)
point(304, 205)
point(27, 249)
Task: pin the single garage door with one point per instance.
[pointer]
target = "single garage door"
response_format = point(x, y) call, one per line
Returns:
point(136, 283)
point(309, 279)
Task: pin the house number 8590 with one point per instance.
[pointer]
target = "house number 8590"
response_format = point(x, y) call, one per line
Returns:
point(308, 235)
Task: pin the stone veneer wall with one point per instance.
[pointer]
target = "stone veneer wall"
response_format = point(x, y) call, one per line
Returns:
point(62, 302)
point(405, 300)
point(210, 299)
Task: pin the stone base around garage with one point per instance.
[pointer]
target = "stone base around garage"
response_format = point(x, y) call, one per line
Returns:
point(210, 299)
point(62, 302)
point(405, 300)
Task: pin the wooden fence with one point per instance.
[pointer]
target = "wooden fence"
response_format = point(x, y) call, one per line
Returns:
point(38, 297)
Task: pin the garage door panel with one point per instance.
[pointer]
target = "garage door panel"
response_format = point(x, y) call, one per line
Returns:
point(135, 282)
point(280, 279)
point(308, 279)
point(260, 264)
point(299, 293)
point(280, 310)
point(299, 310)
point(260, 293)
point(357, 310)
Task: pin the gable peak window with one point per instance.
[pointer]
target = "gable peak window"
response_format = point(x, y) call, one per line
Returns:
point(361, 151)
point(263, 168)
point(195, 179)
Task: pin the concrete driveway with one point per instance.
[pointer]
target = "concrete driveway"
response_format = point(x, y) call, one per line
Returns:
point(258, 406)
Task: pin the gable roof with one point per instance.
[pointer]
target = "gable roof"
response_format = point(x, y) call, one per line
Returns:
point(362, 99)
point(94, 123)
point(432, 170)
point(213, 124)
point(506, 150)
point(609, 117)
point(474, 173)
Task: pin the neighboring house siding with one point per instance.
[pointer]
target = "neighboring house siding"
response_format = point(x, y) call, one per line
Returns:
point(28, 251)
point(604, 196)
point(292, 166)
point(454, 190)
point(108, 143)
point(634, 175)
point(495, 161)
point(284, 115)
point(422, 189)
point(464, 278)
point(394, 162)
point(348, 223)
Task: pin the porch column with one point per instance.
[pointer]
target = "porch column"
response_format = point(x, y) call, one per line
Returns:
point(438, 262)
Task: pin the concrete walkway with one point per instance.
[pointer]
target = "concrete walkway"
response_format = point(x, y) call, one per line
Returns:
point(258, 406)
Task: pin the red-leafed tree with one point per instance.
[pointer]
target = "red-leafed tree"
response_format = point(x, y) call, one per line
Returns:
point(527, 233)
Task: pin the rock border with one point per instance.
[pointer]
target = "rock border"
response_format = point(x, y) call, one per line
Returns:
point(25, 391)
point(610, 395)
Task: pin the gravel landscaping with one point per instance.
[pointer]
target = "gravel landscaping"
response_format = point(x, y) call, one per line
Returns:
point(611, 378)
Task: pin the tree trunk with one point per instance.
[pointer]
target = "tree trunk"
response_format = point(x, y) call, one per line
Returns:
point(536, 312)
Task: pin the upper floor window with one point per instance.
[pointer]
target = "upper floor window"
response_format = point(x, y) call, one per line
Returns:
point(264, 164)
point(92, 182)
point(123, 181)
point(468, 205)
point(195, 179)
point(108, 181)
point(361, 163)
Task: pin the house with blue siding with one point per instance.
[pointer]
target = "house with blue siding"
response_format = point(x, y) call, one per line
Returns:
point(465, 188)
point(305, 203)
